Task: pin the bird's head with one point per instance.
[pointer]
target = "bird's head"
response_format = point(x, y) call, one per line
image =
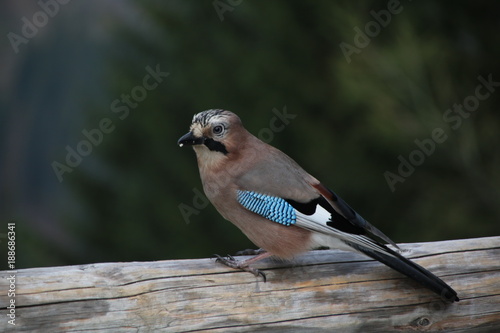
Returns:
point(212, 131)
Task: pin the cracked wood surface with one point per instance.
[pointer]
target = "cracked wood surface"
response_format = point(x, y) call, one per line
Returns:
point(320, 291)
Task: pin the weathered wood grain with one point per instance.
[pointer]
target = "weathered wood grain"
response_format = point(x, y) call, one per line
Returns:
point(321, 291)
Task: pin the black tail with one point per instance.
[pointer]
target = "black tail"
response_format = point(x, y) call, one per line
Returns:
point(410, 269)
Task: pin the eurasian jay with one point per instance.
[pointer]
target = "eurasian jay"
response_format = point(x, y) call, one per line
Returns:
point(279, 206)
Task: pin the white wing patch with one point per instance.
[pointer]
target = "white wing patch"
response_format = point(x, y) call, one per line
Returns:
point(321, 216)
point(318, 222)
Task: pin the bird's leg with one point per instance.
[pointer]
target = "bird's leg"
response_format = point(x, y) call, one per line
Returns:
point(244, 265)
point(250, 252)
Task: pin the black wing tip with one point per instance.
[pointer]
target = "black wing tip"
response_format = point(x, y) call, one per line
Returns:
point(450, 295)
point(412, 270)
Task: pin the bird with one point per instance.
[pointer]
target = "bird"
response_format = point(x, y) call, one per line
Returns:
point(279, 206)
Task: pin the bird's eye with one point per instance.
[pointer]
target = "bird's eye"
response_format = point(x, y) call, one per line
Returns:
point(218, 129)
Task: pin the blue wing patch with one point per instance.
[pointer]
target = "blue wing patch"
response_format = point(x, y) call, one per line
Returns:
point(272, 208)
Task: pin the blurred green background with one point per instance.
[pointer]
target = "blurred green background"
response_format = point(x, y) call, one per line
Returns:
point(355, 115)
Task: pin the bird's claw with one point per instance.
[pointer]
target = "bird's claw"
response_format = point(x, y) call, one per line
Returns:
point(233, 263)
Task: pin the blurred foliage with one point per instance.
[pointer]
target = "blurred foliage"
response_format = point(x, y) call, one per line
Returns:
point(353, 121)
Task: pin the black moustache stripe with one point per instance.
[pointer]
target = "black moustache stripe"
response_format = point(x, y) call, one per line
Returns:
point(215, 146)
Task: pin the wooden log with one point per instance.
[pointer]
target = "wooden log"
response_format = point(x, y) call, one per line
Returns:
point(320, 291)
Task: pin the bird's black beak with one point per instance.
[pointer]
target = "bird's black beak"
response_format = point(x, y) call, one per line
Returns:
point(190, 140)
